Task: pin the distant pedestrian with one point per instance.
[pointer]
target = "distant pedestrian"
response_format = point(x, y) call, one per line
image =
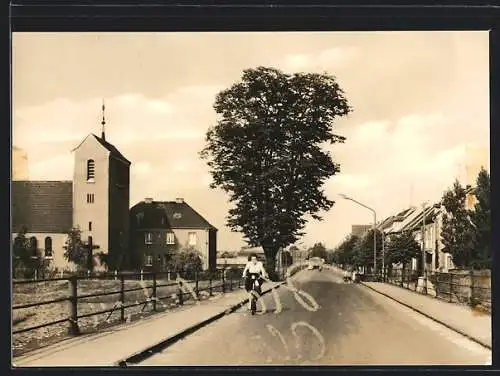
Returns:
point(354, 275)
point(347, 276)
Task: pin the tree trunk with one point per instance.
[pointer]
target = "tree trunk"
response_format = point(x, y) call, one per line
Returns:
point(270, 253)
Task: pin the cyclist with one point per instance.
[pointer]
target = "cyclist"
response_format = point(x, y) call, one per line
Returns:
point(254, 267)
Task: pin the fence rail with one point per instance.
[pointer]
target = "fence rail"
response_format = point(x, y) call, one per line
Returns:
point(220, 280)
point(465, 287)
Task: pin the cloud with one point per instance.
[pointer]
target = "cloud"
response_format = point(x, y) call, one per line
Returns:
point(329, 59)
point(59, 167)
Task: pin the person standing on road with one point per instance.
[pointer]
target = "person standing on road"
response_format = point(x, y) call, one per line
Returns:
point(354, 275)
point(347, 276)
point(257, 268)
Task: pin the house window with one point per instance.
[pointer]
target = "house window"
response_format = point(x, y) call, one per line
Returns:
point(90, 170)
point(48, 246)
point(148, 260)
point(90, 226)
point(192, 238)
point(90, 198)
point(170, 238)
point(148, 238)
point(140, 217)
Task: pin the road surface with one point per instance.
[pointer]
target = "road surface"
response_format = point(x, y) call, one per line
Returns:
point(348, 325)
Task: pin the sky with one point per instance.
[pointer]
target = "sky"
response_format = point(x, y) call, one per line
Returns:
point(418, 98)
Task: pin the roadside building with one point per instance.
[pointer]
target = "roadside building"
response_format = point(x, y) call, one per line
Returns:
point(159, 229)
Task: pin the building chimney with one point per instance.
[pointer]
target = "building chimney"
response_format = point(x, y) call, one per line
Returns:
point(179, 200)
point(148, 200)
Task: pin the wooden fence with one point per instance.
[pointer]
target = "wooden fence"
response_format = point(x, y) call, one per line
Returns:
point(472, 287)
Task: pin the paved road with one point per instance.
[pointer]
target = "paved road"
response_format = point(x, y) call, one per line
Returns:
point(352, 326)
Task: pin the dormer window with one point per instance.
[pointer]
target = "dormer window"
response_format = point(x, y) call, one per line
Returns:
point(177, 215)
point(90, 170)
point(140, 217)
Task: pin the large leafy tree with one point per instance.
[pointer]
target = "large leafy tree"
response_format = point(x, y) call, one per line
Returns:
point(481, 217)
point(458, 233)
point(402, 248)
point(266, 151)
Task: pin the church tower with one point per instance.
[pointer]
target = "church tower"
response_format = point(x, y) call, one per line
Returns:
point(101, 198)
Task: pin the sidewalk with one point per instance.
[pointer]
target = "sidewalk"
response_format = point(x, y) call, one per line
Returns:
point(459, 318)
point(123, 341)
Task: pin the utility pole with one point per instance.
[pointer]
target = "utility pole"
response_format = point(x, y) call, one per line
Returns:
point(424, 272)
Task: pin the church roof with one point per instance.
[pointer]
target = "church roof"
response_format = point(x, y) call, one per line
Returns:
point(42, 206)
point(112, 149)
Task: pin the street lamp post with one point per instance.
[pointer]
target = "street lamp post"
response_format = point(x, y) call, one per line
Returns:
point(374, 229)
point(424, 281)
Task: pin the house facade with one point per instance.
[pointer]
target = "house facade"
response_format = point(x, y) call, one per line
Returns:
point(44, 209)
point(159, 229)
point(428, 236)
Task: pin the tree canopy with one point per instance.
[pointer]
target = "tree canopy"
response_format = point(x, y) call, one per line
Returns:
point(402, 248)
point(267, 152)
point(318, 250)
point(458, 233)
point(481, 217)
point(75, 250)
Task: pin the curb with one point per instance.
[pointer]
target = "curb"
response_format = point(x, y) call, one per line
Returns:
point(152, 350)
point(478, 341)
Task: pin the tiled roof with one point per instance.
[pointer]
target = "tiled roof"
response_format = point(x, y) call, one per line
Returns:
point(112, 149)
point(416, 222)
point(42, 206)
point(168, 214)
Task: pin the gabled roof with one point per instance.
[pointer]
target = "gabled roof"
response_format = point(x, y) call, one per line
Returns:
point(416, 221)
point(168, 215)
point(42, 206)
point(109, 147)
point(112, 149)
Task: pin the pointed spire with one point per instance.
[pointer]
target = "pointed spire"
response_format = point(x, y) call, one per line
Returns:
point(103, 122)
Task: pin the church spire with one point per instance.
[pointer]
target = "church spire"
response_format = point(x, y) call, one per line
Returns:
point(103, 122)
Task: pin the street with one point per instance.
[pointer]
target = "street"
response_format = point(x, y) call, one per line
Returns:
point(344, 324)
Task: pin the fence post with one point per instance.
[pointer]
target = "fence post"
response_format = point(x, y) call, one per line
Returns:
point(471, 273)
point(122, 297)
point(239, 280)
point(230, 282)
point(181, 298)
point(210, 284)
point(451, 288)
point(154, 292)
point(436, 287)
point(36, 274)
point(196, 286)
point(223, 281)
point(73, 319)
point(116, 273)
point(142, 272)
point(168, 275)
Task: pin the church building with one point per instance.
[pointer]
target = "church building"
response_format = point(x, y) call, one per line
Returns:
point(98, 204)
